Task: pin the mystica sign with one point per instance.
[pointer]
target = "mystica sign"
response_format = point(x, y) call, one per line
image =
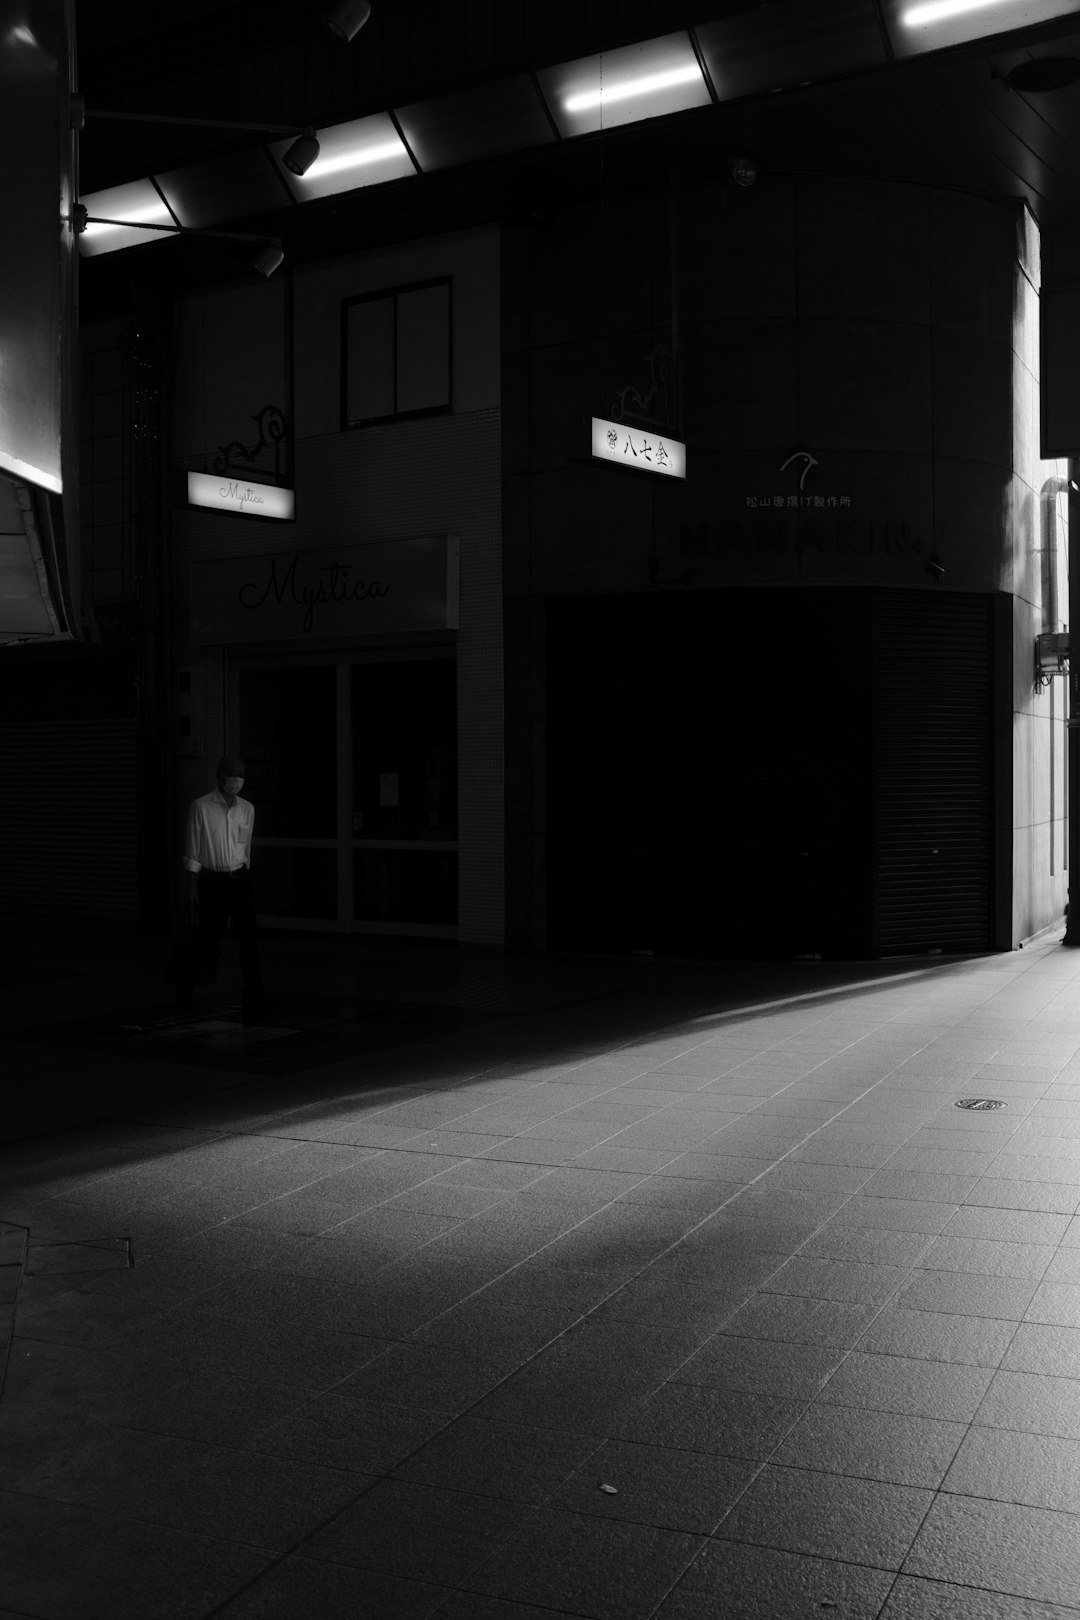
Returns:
point(223, 493)
point(300, 595)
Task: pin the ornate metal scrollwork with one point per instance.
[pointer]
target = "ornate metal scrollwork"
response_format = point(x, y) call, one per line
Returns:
point(273, 427)
point(630, 401)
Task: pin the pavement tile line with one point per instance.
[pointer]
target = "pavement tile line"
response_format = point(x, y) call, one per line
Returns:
point(440, 1090)
point(762, 1009)
point(14, 1244)
point(761, 1288)
point(545, 1170)
point(478, 1076)
point(673, 1377)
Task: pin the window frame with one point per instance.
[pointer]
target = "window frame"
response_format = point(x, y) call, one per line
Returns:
point(395, 293)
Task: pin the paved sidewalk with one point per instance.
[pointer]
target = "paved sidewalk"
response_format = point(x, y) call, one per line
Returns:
point(501, 1288)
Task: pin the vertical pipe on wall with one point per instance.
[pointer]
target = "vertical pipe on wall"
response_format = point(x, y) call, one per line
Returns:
point(143, 349)
point(346, 796)
point(673, 294)
point(289, 340)
point(1072, 930)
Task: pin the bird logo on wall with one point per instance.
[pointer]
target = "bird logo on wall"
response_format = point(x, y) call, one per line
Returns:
point(805, 457)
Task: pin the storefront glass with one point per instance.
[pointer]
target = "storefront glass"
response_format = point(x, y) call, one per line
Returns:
point(352, 766)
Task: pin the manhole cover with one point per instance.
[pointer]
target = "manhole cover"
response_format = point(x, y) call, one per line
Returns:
point(983, 1104)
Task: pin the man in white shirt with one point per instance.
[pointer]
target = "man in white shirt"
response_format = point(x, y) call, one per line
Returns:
point(217, 857)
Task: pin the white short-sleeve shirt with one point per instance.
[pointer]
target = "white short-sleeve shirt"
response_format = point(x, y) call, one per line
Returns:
point(219, 834)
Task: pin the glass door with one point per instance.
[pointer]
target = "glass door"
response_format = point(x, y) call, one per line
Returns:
point(352, 767)
point(404, 794)
point(287, 734)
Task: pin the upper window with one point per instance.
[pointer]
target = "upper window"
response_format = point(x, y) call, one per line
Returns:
point(396, 354)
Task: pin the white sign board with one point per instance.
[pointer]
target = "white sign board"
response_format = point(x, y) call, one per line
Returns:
point(641, 448)
point(227, 494)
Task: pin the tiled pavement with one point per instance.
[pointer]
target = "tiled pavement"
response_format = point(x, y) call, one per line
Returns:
point(602, 1289)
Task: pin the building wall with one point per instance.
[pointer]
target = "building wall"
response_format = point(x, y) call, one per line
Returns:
point(1038, 524)
point(432, 476)
point(887, 332)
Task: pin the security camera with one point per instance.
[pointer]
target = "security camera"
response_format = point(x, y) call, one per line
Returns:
point(935, 570)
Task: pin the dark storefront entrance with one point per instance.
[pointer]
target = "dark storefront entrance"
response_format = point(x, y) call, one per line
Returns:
point(352, 767)
point(775, 773)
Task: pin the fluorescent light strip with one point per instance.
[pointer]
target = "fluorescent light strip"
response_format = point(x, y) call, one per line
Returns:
point(941, 10)
point(158, 215)
point(633, 87)
point(355, 160)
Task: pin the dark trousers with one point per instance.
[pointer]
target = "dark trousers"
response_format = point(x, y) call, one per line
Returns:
point(226, 897)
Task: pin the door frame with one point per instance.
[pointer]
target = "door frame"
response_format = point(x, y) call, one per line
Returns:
point(343, 661)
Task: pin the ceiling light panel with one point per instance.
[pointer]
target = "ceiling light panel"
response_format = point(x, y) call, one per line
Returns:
point(624, 86)
point(365, 152)
point(223, 188)
point(480, 123)
point(932, 25)
point(788, 44)
point(137, 200)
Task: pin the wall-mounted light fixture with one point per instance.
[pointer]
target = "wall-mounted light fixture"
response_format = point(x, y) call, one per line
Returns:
point(346, 19)
point(302, 153)
point(267, 258)
point(299, 157)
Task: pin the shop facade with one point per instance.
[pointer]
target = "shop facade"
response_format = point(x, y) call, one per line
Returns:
point(350, 649)
point(787, 706)
point(495, 688)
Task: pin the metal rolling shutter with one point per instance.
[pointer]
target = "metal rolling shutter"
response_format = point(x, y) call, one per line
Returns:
point(933, 771)
point(68, 805)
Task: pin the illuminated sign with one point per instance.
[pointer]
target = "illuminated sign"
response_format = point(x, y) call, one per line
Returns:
point(638, 447)
point(224, 493)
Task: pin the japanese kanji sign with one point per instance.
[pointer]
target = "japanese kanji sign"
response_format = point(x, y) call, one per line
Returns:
point(641, 448)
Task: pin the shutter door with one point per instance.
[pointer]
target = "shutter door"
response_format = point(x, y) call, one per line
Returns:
point(68, 808)
point(694, 808)
point(933, 772)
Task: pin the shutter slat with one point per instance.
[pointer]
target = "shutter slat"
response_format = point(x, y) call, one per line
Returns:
point(68, 819)
point(932, 776)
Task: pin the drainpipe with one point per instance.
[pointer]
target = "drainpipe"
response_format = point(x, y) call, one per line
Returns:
point(1072, 928)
